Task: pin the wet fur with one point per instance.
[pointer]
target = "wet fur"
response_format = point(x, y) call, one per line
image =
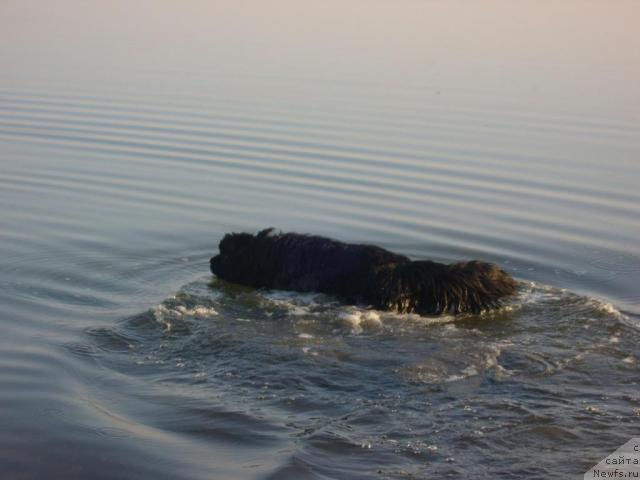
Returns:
point(359, 274)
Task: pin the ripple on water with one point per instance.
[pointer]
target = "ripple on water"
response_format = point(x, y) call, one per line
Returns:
point(360, 391)
point(84, 281)
point(299, 384)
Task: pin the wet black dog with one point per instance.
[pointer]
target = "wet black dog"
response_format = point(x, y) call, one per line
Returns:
point(359, 274)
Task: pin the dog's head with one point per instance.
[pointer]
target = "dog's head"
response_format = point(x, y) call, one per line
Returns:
point(239, 252)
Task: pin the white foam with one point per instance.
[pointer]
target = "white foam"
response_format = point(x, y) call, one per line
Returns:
point(608, 308)
point(371, 318)
point(167, 316)
point(351, 320)
point(470, 371)
point(294, 304)
point(198, 311)
point(358, 320)
point(313, 306)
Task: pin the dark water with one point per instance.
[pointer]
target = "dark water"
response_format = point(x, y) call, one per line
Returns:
point(133, 137)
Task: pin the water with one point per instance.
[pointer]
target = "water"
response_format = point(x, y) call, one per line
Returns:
point(132, 137)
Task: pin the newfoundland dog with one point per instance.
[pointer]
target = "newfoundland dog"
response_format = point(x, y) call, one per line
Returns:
point(359, 274)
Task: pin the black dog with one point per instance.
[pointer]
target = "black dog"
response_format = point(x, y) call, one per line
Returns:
point(361, 274)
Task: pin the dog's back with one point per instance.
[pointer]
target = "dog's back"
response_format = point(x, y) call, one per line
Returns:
point(296, 262)
point(359, 273)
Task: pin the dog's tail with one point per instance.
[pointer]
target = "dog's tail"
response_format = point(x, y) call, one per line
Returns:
point(481, 285)
point(433, 288)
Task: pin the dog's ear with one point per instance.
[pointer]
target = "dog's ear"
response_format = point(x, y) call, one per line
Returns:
point(267, 232)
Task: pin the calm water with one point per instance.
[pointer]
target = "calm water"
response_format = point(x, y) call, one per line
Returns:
point(132, 137)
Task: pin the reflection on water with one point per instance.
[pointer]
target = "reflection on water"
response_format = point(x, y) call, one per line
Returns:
point(132, 137)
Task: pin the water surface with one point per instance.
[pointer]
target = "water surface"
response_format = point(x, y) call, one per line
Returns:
point(132, 137)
